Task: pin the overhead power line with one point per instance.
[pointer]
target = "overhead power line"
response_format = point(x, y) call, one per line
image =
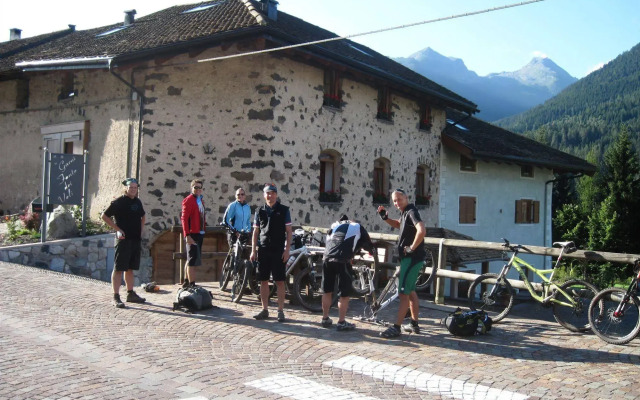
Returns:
point(333, 39)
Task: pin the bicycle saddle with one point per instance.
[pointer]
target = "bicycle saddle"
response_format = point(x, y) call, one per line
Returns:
point(569, 247)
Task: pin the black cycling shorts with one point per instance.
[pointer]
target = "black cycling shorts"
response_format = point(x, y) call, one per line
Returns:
point(194, 251)
point(331, 270)
point(270, 263)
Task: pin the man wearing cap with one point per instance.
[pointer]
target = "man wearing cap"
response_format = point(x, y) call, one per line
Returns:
point(129, 221)
point(344, 240)
point(412, 255)
point(272, 226)
point(193, 228)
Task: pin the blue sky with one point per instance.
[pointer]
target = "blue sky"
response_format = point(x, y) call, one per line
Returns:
point(578, 35)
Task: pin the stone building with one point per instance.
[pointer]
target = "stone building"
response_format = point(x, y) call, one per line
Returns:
point(335, 125)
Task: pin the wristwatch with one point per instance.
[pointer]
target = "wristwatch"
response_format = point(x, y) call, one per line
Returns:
point(407, 250)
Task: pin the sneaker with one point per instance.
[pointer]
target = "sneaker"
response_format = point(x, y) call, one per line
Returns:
point(391, 332)
point(132, 297)
point(281, 316)
point(326, 323)
point(117, 302)
point(264, 314)
point(345, 326)
point(411, 328)
point(185, 284)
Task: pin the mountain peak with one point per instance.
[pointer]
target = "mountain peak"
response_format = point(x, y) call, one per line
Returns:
point(541, 71)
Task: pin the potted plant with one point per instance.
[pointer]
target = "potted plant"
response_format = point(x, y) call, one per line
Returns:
point(330, 197)
point(423, 200)
point(380, 198)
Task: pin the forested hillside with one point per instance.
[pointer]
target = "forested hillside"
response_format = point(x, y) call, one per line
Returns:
point(588, 114)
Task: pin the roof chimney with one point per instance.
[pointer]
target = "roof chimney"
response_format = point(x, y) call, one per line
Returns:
point(129, 17)
point(72, 28)
point(14, 33)
point(271, 7)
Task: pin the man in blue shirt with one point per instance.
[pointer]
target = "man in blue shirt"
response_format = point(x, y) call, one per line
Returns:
point(272, 225)
point(238, 216)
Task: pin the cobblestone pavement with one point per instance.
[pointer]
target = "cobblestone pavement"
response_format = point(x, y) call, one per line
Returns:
point(60, 337)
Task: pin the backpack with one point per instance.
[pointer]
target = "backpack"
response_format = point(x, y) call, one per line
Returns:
point(193, 299)
point(468, 323)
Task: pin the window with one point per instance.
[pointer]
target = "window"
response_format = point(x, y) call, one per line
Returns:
point(68, 91)
point(526, 171)
point(426, 119)
point(467, 210)
point(381, 181)
point(64, 138)
point(423, 195)
point(22, 93)
point(332, 89)
point(527, 211)
point(384, 104)
point(467, 164)
point(330, 176)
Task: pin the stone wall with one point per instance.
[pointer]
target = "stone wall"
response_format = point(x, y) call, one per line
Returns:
point(88, 256)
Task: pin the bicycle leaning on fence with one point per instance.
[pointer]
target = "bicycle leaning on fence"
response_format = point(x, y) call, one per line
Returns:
point(376, 299)
point(237, 266)
point(570, 300)
point(614, 313)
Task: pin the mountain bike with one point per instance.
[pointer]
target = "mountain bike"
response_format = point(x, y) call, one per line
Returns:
point(360, 271)
point(377, 300)
point(614, 314)
point(236, 267)
point(570, 300)
point(307, 284)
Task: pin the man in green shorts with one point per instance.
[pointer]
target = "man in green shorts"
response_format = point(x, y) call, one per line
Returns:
point(412, 255)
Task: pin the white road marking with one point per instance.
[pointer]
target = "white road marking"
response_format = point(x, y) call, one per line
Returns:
point(304, 389)
point(423, 381)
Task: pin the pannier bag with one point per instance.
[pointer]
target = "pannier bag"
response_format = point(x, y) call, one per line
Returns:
point(192, 299)
point(467, 323)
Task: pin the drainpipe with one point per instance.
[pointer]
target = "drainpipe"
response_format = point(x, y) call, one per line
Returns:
point(141, 96)
point(545, 202)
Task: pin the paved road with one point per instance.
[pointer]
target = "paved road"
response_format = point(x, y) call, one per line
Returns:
point(60, 337)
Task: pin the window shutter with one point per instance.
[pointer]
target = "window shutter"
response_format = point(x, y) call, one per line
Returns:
point(467, 212)
point(519, 212)
point(536, 212)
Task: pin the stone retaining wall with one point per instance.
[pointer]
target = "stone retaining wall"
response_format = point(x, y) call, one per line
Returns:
point(85, 256)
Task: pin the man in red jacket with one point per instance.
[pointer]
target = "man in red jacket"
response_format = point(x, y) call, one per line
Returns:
point(193, 225)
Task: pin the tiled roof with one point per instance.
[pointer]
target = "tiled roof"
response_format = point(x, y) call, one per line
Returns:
point(172, 29)
point(480, 140)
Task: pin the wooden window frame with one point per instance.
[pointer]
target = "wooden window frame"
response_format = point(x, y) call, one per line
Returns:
point(22, 93)
point(330, 193)
point(423, 191)
point(426, 118)
point(467, 210)
point(67, 91)
point(332, 89)
point(527, 211)
point(384, 104)
point(381, 167)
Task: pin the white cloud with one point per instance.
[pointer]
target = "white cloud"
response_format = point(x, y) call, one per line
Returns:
point(539, 54)
point(595, 68)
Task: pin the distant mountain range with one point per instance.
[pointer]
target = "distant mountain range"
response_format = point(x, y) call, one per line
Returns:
point(497, 95)
point(588, 115)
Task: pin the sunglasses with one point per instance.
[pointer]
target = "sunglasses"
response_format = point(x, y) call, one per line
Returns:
point(240, 194)
point(197, 187)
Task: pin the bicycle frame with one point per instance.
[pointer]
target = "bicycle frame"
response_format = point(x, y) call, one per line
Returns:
point(548, 286)
point(632, 290)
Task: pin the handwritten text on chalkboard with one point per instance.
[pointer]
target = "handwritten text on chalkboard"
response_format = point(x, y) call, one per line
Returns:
point(65, 184)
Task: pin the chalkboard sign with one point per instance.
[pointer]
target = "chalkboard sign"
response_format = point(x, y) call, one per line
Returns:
point(65, 179)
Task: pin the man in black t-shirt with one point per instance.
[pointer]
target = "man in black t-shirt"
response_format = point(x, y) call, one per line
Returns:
point(129, 220)
point(412, 255)
point(270, 245)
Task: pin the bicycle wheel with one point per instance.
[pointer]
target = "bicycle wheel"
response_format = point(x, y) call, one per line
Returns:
point(225, 272)
point(497, 305)
point(425, 280)
point(240, 277)
point(360, 281)
point(575, 319)
point(308, 291)
point(254, 284)
point(614, 329)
